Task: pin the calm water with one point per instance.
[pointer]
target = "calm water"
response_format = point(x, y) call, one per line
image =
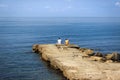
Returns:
point(17, 35)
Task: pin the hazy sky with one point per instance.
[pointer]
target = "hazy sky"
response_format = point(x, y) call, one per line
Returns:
point(60, 8)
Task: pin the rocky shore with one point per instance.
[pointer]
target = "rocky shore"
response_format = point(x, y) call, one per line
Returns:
point(80, 63)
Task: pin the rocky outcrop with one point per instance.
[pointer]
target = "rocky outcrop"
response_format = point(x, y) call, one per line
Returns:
point(114, 56)
point(74, 67)
point(98, 54)
point(35, 48)
point(87, 52)
point(96, 58)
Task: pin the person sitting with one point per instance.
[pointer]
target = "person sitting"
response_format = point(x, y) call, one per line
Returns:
point(59, 41)
point(66, 42)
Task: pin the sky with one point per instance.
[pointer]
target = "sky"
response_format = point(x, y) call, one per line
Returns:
point(59, 8)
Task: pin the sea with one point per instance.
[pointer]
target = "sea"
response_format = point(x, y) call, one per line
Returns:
point(18, 34)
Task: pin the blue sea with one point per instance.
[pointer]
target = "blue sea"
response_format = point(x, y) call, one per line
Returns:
point(18, 34)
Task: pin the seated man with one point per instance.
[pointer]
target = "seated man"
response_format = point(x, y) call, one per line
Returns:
point(66, 42)
point(59, 41)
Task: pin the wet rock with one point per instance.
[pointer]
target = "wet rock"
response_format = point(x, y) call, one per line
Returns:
point(82, 49)
point(73, 46)
point(115, 56)
point(89, 52)
point(108, 56)
point(35, 48)
point(98, 54)
point(86, 51)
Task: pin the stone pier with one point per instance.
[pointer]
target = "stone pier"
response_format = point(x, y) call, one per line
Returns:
point(75, 64)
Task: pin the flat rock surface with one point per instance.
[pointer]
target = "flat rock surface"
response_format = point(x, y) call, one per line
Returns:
point(75, 67)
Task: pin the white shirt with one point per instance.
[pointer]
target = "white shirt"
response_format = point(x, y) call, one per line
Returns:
point(59, 41)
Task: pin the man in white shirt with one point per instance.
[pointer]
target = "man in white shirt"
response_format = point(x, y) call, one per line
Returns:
point(59, 41)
